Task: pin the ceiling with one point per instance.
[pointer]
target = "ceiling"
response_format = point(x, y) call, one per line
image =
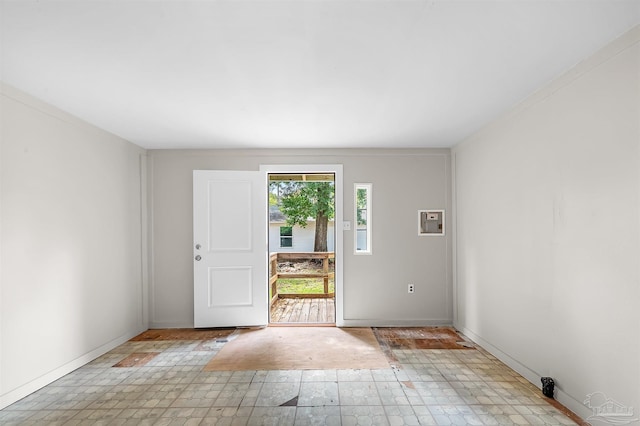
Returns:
point(297, 73)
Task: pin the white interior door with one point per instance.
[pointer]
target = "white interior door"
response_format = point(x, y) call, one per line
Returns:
point(230, 254)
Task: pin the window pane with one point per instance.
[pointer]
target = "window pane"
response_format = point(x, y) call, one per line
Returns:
point(286, 231)
point(362, 217)
point(361, 241)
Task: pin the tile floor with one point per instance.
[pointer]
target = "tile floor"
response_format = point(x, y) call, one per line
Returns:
point(168, 387)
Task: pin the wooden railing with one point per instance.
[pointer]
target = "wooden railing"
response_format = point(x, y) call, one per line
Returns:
point(274, 275)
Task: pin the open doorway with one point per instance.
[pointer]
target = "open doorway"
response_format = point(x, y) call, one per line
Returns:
point(302, 241)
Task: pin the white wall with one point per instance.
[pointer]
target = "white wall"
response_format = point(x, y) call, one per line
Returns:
point(71, 265)
point(547, 231)
point(375, 287)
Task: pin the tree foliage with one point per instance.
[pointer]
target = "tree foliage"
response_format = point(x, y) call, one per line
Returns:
point(307, 200)
point(361, 207)
point(300, 201)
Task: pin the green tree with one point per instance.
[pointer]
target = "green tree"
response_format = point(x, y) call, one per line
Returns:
point(303, 200)
point(273, 199)
point(361, 207)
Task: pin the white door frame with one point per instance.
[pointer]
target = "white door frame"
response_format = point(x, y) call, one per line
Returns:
point(336, 169)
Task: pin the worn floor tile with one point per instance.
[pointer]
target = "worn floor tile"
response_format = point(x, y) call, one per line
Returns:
point(318, 416)
point(464, 386)
point(317, 394)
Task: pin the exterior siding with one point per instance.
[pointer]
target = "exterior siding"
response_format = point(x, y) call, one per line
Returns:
point(302, 237)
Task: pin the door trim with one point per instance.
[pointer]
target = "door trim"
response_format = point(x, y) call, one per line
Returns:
point(336, 169)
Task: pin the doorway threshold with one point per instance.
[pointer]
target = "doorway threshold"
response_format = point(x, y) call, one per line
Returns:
point(301, 324)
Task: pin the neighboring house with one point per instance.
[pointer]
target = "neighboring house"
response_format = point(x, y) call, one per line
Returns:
point(284, 238)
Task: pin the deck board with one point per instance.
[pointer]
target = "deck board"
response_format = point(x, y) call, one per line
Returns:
point(303, 310)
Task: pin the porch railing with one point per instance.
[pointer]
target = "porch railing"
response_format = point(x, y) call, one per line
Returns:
point(274, 275)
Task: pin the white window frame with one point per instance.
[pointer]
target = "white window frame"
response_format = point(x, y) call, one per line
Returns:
point(286, 236)
point(369, 188)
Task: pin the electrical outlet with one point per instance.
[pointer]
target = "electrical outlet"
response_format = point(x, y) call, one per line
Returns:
point(411, 288)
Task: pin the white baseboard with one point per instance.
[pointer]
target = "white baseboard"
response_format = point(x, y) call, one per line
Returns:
point(40, 382)
point(158, 325)
point(562, 397)
point(395, 323)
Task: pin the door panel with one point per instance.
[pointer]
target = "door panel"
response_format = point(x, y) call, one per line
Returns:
point(221, 294)
point(230, 248)
point(230, 211)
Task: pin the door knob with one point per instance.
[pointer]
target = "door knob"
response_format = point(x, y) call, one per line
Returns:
point(198, 246)
point(198, 257)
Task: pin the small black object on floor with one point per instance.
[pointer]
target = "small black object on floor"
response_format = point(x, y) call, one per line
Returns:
point(547, 386)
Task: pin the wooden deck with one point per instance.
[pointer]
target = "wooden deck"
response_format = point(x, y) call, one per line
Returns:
point(304, 310)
